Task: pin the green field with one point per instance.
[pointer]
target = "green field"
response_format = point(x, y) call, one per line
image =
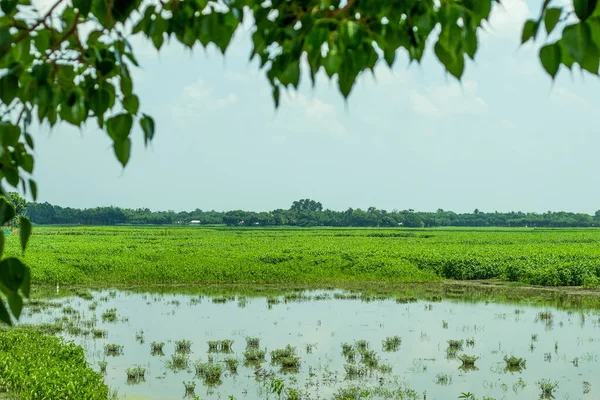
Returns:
point(190, 255)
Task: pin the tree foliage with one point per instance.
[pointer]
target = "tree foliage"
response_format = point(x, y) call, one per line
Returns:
point(72, 63)
point(305, 213)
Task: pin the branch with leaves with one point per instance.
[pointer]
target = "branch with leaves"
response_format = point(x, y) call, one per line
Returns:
point(72, 63)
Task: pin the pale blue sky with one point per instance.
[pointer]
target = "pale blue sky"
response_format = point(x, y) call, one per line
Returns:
point(506, 138)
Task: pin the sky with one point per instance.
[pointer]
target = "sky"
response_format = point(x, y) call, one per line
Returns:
point(504, 138)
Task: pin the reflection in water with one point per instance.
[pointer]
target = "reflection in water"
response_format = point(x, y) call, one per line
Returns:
point(323, 343)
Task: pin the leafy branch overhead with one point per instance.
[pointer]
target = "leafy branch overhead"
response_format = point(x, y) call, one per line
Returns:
point(72, 61)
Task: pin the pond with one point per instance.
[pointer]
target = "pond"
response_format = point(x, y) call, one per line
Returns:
point(386, 347)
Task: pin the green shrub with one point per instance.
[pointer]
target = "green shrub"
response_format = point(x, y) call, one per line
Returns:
point(35, 366)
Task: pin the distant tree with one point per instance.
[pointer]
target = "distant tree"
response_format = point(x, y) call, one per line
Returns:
point(306, 205)
point(18, 202)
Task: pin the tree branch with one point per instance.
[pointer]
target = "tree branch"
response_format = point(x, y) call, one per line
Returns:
point(28, 31)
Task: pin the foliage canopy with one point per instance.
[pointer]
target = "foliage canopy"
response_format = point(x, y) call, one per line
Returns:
point(73, 62)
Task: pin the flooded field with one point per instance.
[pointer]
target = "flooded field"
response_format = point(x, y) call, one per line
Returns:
point(328, 345)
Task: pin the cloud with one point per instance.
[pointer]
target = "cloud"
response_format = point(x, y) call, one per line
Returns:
point(507, 18)
point(561, 96)
point(316, 112)
point(197, 101)
point(451, 99)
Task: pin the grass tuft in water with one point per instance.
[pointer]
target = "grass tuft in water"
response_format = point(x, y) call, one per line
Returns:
point(514, 364)
point(547, 388)
point(135, 374)
point(210, 373)
point(392, 343)
point(109, 315)
point(254, 356)
point(232, 364)
point(178, 362)
point(113, 350)
point(183, 346)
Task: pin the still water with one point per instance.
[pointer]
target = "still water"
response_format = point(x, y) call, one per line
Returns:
point(560, 346)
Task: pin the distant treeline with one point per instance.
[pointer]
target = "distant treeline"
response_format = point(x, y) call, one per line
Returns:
point(305, 212)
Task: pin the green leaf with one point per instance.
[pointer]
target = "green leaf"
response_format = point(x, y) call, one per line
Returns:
point(2, 240)
point(131, 104)
point(5, 36)
point(24, 231)
point(7, 211)
point(8, 6)
point(84, 6)
point(453, 62)
point(551, 18)
point(15, 302)
point(351, 33)
point(529, 30)
point(122, 150)
point(33, 188)
point(291, 74)
point(577, 39)
point(9, 134)
point(147, 124)
point(550, 56)
point(276, 95)
point(99, 101)
point(4, 315)
point(332, 62)
point(119, 127)
point(29, 140)
point(470, 43)
point(584, 8)
point(42, 40)
point(14, 275)
point(9, 87)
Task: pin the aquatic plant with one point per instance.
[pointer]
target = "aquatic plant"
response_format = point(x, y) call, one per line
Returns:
point(514, 364)
point(190, 388)
point(183, 346)
point(252, 342)
point(209, 372)
point(547, 388)
point(113, 349)
point(253, 355)
point(135, 374)
point(468, 362)
point(178, 362)
point(392, 343)
point(110, 315)
point(232, 364)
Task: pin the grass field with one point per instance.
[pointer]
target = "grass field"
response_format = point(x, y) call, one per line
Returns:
point(132, 255)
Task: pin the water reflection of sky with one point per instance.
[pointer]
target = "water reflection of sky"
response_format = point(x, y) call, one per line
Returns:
point(497, 329)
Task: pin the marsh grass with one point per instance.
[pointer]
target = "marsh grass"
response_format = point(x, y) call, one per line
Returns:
point(254, 356)
point(135, 374)
point(190, 388)
point(547, 388)
point(102, 364)
point(286, 358)
point(156, 348)
point(232, 364)
point(354, 371)
point(443, 379)
point(99, 333)
point(210, 373)
point(109, 315)
point(113, 350)
point(468, 362)
point(252, 342)
point(220, 346)
point(183, 346)
point(178, 362)
point(392, 343)
point(514, 364)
